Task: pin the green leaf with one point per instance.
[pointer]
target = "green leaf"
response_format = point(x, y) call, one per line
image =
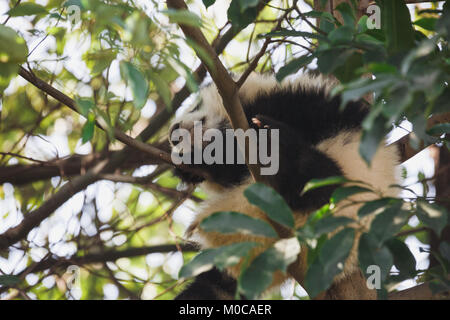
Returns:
point(331, 59)
point(99, 60)
point(329, 262)
point(327, 22)
point(432, 215)
point(396, 25)
point(241, 13)
point(399, 99)
point(88, 129)
point(372, 206)
point(349, 70)
point(232, 254)
point(293, 66)
point(358, 88)
point(439, 129)
point(208, 3)
point(268, 200)
point(341, 35)
point(404, 260)
point(185, 17)
point(329, 224)
point(259, 274)
point(388, 223)
point(9, 280)
point(370, 253)
point(426, 23)
point(13, 51)
point(347, 13)
point(319, 183)
point(163, 88)
point(137, 82)
point(344, 192)
point(223, 257)
point(85, 106)
point(235, 222)
point(373, 133)
point(14, 48)
point(27, 9)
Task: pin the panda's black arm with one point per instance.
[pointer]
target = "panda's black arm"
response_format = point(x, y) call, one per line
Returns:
point(210, 285)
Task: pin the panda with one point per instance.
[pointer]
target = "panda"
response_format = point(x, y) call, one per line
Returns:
point(316, 140)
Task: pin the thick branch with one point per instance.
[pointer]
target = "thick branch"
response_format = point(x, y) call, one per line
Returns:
point(227, 87)
point(110, 255)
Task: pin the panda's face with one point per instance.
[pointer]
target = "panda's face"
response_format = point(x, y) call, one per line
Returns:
point(209, 111)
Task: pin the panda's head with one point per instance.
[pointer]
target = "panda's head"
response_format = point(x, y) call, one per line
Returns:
point(209, 109)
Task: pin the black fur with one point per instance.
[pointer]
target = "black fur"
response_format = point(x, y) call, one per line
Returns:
point(210, 285)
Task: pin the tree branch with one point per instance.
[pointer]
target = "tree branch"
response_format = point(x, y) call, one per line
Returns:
point(227, 87)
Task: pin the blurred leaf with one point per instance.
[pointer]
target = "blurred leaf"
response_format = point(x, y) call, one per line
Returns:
point(372, 206)
point(329, 262)
point(27, 9)
point(259, 274)
point(293, 66)
point(208, 3)
point(225, 256)
point(432, 215)
point(185, 17)
point(329, 224)
point(396, 24)
point(9, 280)
point(99, 60)
point(13, 51)
point(85, 106)
point(426, 23)
point(374, 132)
point(88, 129)
point(242, 12)
point(341, 35)
point(235, 222)
point(342, 193)
point(269, 201)
point(319, 183)
point(403, 258)
point(370, 253)
point(347, 13)
point(439, 129)
point(137, 82)
point(388, 223)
